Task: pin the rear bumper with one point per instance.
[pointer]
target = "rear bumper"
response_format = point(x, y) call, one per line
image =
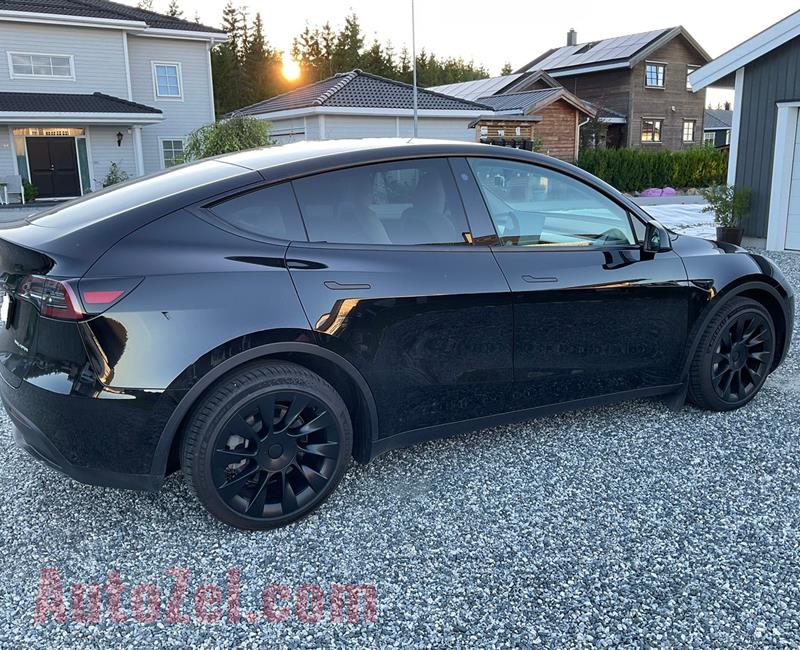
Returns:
point(101, 440)
point(29, 438)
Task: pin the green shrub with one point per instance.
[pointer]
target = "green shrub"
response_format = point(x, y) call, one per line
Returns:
point(29, 191)
point(115, 175)
point(633, 170)
point(730, 205)
point(227, 136)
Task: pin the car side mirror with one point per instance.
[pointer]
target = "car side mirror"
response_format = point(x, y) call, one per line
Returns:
point(656, 238)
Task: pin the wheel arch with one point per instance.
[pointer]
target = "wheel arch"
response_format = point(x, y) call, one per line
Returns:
point(762, 291)
point(335, 369)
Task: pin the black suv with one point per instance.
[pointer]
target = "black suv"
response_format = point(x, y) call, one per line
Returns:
point(260, 318)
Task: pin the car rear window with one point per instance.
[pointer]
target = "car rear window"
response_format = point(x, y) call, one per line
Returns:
point(268, 212)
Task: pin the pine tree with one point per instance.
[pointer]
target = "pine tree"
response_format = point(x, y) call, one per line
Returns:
point(174, 9)
point(261, 65)
point(226, 63)
point(349, 45)
point(307, 51)
point(506, 69)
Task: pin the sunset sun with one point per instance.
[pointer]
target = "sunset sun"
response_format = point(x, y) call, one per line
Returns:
point(290, 70)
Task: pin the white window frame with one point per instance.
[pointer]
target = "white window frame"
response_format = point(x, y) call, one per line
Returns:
point(660, 121)
point(16, 75)
point(710, 136)
point(658, 63)
point(694, 130)
point(167, 98)
point(689, 70)
point(167, 138)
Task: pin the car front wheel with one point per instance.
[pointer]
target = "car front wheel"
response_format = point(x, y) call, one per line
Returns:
point(267, 445)
point(734, 356)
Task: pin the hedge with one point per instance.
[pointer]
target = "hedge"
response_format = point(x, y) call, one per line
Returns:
point(633, 170)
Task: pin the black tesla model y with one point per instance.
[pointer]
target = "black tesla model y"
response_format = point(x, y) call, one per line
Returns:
point(258, 319)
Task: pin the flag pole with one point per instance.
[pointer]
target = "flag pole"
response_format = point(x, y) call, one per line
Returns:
point(414, 67)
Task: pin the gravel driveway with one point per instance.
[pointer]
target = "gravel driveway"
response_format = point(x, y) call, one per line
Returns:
point(628, 525)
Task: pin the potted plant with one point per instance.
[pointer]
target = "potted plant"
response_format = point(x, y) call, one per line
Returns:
point(730, 206)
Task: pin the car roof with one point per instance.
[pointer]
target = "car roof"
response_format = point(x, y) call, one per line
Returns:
point(352, 151)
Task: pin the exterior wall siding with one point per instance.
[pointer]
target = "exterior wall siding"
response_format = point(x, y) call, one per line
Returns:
point(181, 116)
point(558, 130)
point(608, 89)
point(773, 78)
point(658, 103)
point(7, 164)
point(440, 128)
point(99, 58)
point(103, 150)
point(368, 126)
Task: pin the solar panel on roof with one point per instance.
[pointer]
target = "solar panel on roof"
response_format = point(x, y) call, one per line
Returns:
point(618, 47)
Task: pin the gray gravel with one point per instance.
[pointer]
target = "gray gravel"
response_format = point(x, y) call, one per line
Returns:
point(621, 526)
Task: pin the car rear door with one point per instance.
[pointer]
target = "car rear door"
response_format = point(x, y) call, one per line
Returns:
point(391, 280)
point(594, 314)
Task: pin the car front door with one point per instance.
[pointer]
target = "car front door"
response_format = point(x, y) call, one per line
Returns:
point(594, 314)
point(391, 280)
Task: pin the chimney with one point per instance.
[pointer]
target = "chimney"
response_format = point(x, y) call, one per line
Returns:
point(572, 37)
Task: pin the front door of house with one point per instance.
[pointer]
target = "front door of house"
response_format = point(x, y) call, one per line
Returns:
point(54, 166)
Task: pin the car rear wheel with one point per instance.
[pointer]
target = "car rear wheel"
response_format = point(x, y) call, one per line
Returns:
point(267, 445)
point(734, 356)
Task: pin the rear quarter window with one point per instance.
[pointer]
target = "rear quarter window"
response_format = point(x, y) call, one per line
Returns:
point(268, 212)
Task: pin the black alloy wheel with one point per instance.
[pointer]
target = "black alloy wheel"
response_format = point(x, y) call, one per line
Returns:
point(734, 357)
point(740, 359)
point(268, 446)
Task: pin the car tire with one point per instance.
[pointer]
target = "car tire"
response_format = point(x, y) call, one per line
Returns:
point(734, 356)
point(256, 471)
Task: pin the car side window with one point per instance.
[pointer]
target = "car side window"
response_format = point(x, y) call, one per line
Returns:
point(402, 203)
point(534, 206)
point(267, 212)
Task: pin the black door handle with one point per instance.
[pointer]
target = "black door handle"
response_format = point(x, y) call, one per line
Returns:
point(534, 280)
point(338, 286)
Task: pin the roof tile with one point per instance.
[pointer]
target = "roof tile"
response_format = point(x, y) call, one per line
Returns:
point(70, 103)
point(105, 9)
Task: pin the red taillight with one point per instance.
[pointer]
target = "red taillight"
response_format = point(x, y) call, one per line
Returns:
point(71, 299)
point(53, 298)
point(101, 297)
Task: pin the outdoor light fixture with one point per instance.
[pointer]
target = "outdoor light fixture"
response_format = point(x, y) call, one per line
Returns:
point(119, 138)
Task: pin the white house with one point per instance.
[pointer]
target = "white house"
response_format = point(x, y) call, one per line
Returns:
point(358, 104)
point(90, 83)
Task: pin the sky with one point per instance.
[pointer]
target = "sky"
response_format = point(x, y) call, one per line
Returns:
point(513, 30)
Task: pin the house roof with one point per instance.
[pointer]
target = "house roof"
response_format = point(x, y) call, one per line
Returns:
point(358, 89)
point(533, 100)
point(617, 52)
point(70, 103)
point(716, 120)
point(472, 90)
point(520, 101)
point(603, 112)
point(107, 10)
point(753, 48)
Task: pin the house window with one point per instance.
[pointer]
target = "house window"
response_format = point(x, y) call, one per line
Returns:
point(651, 130)
point(689, 70)
point(654, 74)
point(688, 130)
point(167, 78)
point(728, 136)
point(172, 153)
point(24, 65)
point(709, 137)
